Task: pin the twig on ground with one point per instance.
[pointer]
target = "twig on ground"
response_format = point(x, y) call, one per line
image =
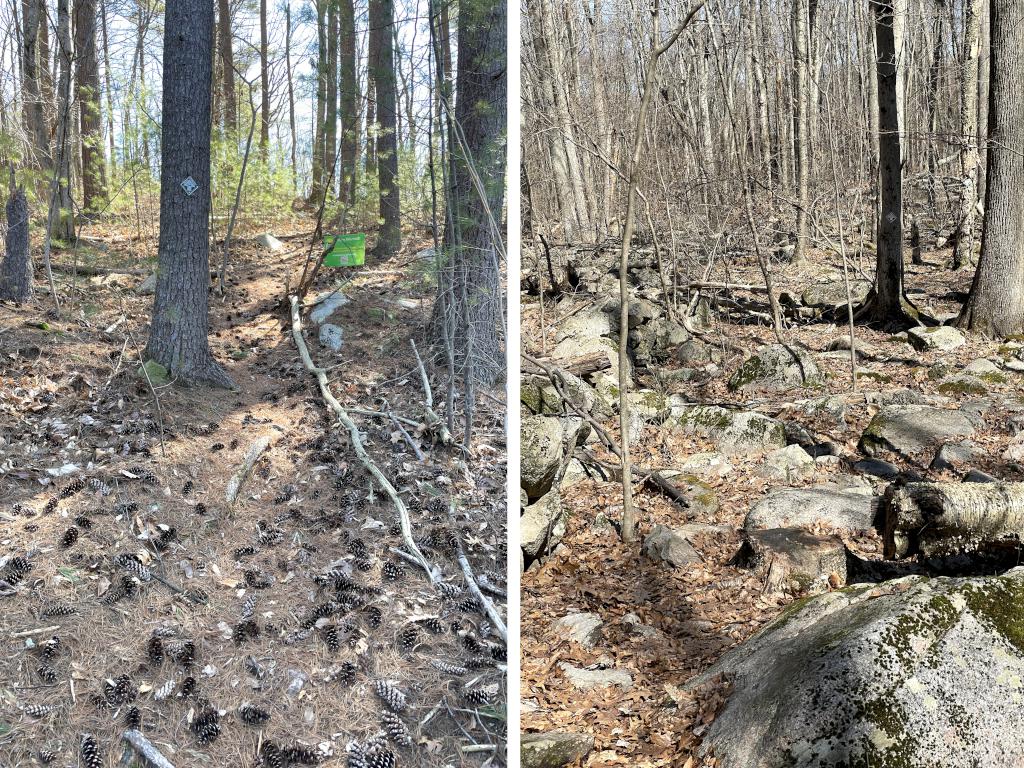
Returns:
point(145, 749)
point(408, 437)
point(39, 631)
point(467, 573)
point(357, 441)
point(256, 450)
point(433, 420)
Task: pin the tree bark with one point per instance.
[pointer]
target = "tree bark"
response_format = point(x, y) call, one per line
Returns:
point(948, 518)
point(963, 245)
point(291, 91)
point(264, 84)
point(16, 270)
point(317, 189)
point(389, 239)
point(331, 94)
point(801, 122)
point(995, 306)
point(227, 67)
point(62, 218)
point(476, 192)
point(349, 87)
point(32, 98)
point(180, 324)
point(87, 93)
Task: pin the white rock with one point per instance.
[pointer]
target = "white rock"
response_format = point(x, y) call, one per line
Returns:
point(331, 336)
point(582, 628)
point(325, 305)
point(267, 240)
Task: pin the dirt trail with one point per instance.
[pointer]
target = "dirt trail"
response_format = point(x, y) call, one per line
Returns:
point(293, 601)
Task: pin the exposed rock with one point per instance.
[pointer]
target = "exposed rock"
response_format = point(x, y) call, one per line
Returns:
point(943, 338)
point(977, 476)
point(695, 353)
point(331, 336)
point(542, 525)
point(962, 385)
point(793, 560)
point(913, 429)
point(847, 509)
point(982, 367)
point(707, 465)
point(268, 241)
point(588, 679)
point(539, 395)
point(650, 406)
point(553, 749)
point(775, 367)
point(831, 294)
point(878, 468)
point(912, 672)
point(147, 287)
point(325, 305)
point(789, 464)
point(1015, 450)
point(575, 472)
point(541, 453)
point(582, 628)
point(702, 498)
point(734, 432)
point(664, 544)
point(953, 455)
point(653, 342)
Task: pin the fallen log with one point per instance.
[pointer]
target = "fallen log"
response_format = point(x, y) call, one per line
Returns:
point(583, 366)
point(934, 519)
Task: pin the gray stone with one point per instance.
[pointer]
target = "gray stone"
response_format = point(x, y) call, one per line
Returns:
point(553, 749)
point(331, 336)
point(664, 544)
point(789, 464)
point(977, 476)
point(981, 367)
point(847, 509)
point(707, 465)
point(542, 525)
point(943, 338)
point(541, 452)
point(268, 241)
point(650, 406)
point(733, 432)
point(653, 342)
point(913, 429)
point(832, 293)
point(582, 628)
point(953, 455)
point(325, 305)
point(588, 679)
point(695, 353)
point(912, 672)
point(775, 367)
point(147, 287)
point(878, 468)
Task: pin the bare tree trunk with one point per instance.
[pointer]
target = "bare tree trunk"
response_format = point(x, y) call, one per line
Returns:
point(801, 122)
point(109, 89)
point(995, 306)
point(87, 93)
point(331, 108)
point(62, 217)
point(227, 67)
point(32, 97)
point(963, 245)
point(349, 87)
point(389, 240)
point(319, 161)
point(180, 322)
point(291, 92)
point(264, 84)
point(16, 270)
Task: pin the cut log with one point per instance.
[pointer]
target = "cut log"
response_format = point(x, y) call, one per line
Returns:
point(935, 519)
point(793, 560)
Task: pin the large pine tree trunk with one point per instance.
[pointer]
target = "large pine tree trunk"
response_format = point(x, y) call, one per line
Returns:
point(227, 67)
point(16, 270)
point(32, 98)
point(474, 294)
point(62, 219)
point(317, 189)
point(996, 303)
point(888, 302)
point(389, 239)
point(349, 87)
point(87, 92)
point(178, 335)
point(331, 109)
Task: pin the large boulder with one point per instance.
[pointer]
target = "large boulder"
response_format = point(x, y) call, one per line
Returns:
point(540, 397)
point(582, 628)
point(775, 367)
point(832, 293)
point(540, 455)
point(913, 429)
point(553, 749)
point(542, 525)
point(664, 544)
point(913, 672)
point(733, 432)
point(848, 509)
point(941, 339)
point(653, 342)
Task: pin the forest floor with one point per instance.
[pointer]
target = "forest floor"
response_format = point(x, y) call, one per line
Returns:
point(92, 469)
point(691, 616)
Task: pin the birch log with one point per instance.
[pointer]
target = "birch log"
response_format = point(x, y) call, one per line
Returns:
point(947, 518)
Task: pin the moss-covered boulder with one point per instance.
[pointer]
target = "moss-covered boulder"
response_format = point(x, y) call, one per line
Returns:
point(913, 429)
point(913, 673)
point(733, 432)
point(775, 367)
point(541, 452)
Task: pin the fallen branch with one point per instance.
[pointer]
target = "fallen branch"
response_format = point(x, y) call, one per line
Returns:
point(947, 518)
point(251, 457)
point(408, 438)
point(474, 588)
point(84, 269)
point(433, 420)
point(357, 441)
point(145, 749)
